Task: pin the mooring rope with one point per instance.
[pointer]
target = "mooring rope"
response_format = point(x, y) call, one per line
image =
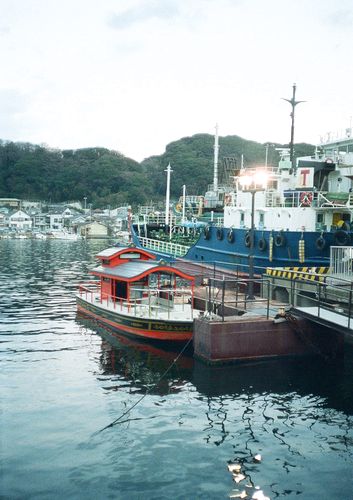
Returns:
point(118, 420)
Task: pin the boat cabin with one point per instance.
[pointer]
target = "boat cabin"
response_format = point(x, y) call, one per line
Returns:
point(129, 274)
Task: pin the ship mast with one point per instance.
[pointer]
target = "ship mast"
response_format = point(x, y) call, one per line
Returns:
point(215, 165)
point(293, 103)
point(167, 195)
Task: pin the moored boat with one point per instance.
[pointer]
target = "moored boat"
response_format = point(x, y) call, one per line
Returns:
point(294, 217)
point(64, 235)
point(139, 296)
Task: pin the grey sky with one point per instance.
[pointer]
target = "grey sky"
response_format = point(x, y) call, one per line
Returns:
point(133, 75)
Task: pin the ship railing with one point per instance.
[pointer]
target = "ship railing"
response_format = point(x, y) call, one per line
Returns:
point(295, 199)
point(154, 218)
point(148, 302)
point(174, 249)
point(273, 199)
point(230, 297)
point(318, 295)
point(335, 295)
point(219, 221)
point(89, 290)
point(324, 201)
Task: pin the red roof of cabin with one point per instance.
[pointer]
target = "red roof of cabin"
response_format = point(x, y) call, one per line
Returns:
point(115, 256)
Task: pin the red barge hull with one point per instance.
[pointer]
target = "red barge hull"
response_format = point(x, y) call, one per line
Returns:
point(142, 328)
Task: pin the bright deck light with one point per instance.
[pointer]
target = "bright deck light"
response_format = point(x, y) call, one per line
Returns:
point(254, 180)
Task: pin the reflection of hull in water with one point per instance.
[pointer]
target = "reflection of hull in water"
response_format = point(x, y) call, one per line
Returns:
point(147, 363)
point(329, 380)
point(143, 363)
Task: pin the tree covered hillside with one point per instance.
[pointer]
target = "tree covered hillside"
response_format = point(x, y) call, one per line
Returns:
point(108, 178)
point(191, 159)
point(105, 177)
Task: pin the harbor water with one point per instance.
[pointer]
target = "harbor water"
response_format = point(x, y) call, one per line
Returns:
point(82, 418)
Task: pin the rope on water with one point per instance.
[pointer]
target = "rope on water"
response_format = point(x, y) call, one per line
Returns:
point(118, 420)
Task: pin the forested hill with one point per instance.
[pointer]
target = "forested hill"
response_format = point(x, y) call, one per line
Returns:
point(191, 159)
point(107, 177)
point(37, 173)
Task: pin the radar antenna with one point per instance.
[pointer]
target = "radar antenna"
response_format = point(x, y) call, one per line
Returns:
point(293, 103)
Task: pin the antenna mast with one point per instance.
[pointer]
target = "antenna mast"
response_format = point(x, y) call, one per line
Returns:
point(293, 103)
point(167, 195)
point(215, 166)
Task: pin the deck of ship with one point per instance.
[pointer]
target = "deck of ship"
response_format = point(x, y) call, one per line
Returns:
point(147, 308)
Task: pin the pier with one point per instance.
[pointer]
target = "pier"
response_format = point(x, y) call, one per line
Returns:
point(235, 329)
point(295, 313)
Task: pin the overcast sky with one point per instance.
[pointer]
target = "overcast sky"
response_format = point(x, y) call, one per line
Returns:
point(134, 75)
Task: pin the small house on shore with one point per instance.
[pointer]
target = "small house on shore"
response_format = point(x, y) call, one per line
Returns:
point(93, 229)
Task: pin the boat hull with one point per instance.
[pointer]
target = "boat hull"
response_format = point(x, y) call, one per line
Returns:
point(142, 328)
point(233, 252)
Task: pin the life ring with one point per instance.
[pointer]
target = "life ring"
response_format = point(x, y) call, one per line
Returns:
point(342, 238)
point(262, 244)
point(306, 199)
point(247, 239)
point(280, 240)
point(320, 243)
point(230, 236)
point(220, 234)
point(206, 232)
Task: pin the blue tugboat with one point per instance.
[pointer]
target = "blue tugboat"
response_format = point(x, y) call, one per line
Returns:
point(298, 214)
point(288, 216)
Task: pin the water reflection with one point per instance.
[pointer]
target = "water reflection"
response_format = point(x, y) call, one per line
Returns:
point(62, 381)
point(143, 365)
point(290, 411)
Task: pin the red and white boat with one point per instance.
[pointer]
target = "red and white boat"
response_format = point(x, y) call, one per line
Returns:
point(137, 295)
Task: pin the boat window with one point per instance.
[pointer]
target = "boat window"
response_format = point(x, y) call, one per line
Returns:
point(130, 256)
point(105, 261)
point(107, 280)
point(320, 217)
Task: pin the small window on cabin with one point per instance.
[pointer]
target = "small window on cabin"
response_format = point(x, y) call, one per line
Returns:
point(320, 217)
point(242, 215)
point(105, 261)
point(130, 256)
point(106, 280)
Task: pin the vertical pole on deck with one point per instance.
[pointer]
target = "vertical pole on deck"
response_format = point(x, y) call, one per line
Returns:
point(293, 103)
point(319, 301)
point(252, 249)
point(183, 212)
point(268, 299)
point(215, 163)
point(223, 294)
point(167, 195)
point(192, 299)
point(350, 306)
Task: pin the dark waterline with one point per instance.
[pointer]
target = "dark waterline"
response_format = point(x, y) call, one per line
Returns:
point(62, 382)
